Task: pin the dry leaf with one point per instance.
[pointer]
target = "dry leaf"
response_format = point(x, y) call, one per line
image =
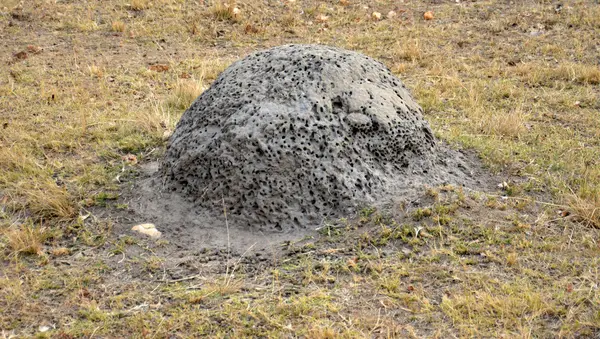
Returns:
point(130, 159)
point(564, 213)
point(344, 2)
point(22, 55)
point(321, 18)
point(34, 49)
point(428, 15)
point(250, 29)
point(147, 229)
point(61, 251)
point(159, 68)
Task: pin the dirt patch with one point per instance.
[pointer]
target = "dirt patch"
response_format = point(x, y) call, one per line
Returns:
point(193, 228)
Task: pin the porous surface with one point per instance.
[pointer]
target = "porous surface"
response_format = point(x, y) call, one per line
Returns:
point(291, 135)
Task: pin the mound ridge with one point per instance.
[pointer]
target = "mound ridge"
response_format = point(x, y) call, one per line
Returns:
point(294, 134)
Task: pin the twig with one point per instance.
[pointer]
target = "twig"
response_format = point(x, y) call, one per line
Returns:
point(571, 238)
point(138, 307)
point(94, 332)
point(522, 199)
point(182, 279)
point(330, 226)
point(158, 327)
point(157, 44)
point(377, 322)
point(237, 263)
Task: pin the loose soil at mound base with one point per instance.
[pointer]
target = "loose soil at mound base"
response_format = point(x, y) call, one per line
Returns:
point(193, 228)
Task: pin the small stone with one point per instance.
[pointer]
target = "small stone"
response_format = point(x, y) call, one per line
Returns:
point(376, 16)
point(391, 14)
point(358, 120)
point(147, 229)
point(321, 18)
point(44, 328)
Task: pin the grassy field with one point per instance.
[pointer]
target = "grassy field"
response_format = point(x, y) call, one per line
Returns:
point(90, 90)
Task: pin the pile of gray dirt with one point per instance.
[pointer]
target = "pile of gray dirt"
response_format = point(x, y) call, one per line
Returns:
point(296, 134)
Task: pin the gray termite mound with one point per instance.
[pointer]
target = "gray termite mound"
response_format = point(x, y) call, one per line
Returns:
point(297, 133)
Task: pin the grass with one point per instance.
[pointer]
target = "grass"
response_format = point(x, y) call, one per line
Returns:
point(27, 240)
point(118, 26)
point(86, 86)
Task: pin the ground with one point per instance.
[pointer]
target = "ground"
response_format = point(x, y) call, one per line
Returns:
point(90, 91)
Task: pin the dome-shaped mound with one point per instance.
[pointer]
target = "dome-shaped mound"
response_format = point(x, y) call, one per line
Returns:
point(296, 133)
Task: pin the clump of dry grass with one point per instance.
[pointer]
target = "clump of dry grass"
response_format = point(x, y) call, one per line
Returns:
point(497, 308)
point(538, 74)
point(410, 50)
point(587, 208)
point(49, 200)
point(27, 239)
point(508, 124)
point(60, 251)
point(118, 26)
point(139, 5)
point(289, 20)
point(226, 11)
point(185, 92)
point(32, 188)
point(95, 71)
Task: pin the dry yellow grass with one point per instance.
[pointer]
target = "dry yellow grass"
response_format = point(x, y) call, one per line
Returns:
point(50, 200)
point(508, 124)
point(118, 26)
point(587, 208)
point(226, 11)
point(515, 83)
point(60, 251)
point(185, 92)
point(139, 5)
point(26, 239)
